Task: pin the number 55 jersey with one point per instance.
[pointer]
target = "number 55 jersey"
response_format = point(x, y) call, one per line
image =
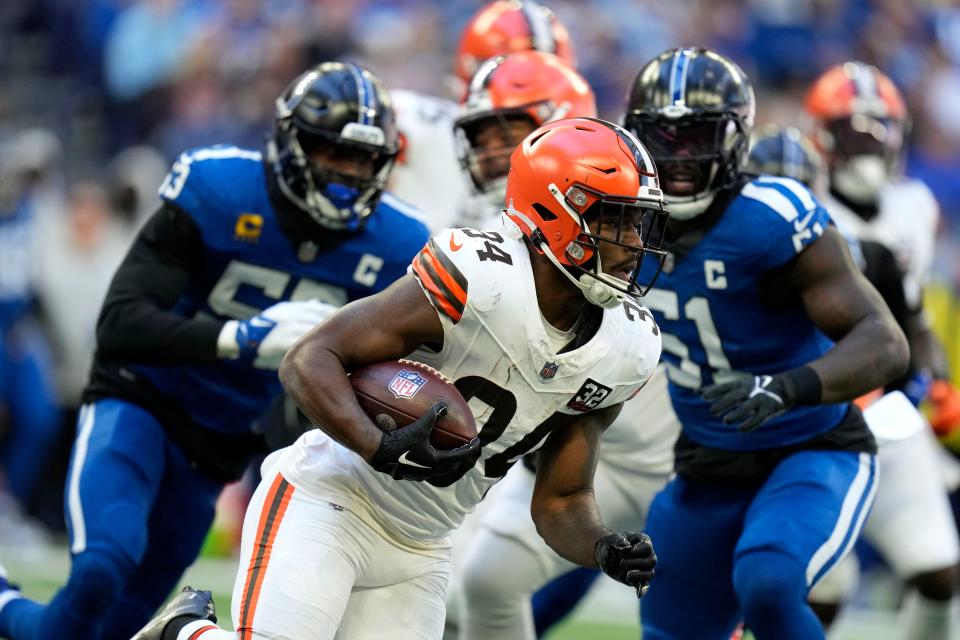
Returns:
point(522, 378)
point(235, 250)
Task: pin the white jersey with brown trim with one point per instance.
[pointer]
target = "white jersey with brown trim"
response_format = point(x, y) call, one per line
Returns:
point(497, 353)
point(427, 173)
point(906, 223)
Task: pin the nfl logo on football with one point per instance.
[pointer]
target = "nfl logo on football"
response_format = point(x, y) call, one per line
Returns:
point(406, 383)
point(549, 370)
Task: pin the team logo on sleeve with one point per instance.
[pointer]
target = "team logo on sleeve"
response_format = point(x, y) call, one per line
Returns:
point(406, 384)
point(589, 397)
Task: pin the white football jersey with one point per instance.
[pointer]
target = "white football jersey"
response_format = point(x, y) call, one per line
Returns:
point(906, 223)
point(641, 439)
point(427, 173)
point(497, 352)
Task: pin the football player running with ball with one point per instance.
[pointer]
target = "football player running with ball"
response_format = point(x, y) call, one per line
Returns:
point(339, 538)
point(248, 252)
point(769, 330)
point(505, 560)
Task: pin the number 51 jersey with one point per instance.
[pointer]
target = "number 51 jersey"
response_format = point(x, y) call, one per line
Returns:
point(497, 352)
point(722, 309)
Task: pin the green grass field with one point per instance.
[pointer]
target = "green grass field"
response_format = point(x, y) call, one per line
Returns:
point(607, 614)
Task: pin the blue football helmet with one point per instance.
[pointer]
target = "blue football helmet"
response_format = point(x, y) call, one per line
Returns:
point(785, 151)
point(334, 144)
point(693, 109)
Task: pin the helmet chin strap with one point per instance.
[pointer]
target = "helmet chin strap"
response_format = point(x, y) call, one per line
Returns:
point(595, 290)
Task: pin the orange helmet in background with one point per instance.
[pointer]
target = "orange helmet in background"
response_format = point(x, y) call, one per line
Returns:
point(859, 123)
point(530, 86)
point(851, 88)
point(570, 177)
point(505, 26)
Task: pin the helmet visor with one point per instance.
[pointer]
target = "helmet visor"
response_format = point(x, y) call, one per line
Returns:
point(688, 150)
point(863, 135)
point(626, 234)
point(334, 160)
point(487, 140)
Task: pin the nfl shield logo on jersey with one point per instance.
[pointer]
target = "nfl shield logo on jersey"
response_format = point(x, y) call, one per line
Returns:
point(549, 370)
point(406, 383)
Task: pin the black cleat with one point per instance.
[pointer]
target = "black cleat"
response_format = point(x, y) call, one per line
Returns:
point(190, 602)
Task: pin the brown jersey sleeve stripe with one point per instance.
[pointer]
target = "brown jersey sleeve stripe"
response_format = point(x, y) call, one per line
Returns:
point(448, 267)
point(440, 298)
point(274, 507)
point(443, 277)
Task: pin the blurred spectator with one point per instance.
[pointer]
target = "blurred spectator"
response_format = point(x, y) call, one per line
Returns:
point(146, 44)
point(133, 177)
point(145, 47)
point(76, 261)
point(28, 407)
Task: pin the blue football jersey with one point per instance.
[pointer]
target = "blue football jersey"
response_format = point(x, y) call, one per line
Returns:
point(249, 265)
point(708, 305)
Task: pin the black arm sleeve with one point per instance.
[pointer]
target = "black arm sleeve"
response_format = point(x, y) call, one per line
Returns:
point(136, 324)
point(883, 273)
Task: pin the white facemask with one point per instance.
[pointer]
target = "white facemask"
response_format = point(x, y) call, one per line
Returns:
point(685, 207)
point(861, 178)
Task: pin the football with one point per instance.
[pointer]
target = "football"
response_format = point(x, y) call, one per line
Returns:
point(394, 394)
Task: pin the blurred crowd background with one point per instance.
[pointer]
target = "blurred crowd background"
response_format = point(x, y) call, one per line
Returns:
point(97, 97)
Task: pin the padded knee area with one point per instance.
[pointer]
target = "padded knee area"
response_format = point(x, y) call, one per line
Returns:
point(770, 586)
point(483, 588)
point(497, 584)
point(97, 579)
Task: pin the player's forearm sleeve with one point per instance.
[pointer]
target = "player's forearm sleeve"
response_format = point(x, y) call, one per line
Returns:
point(136, 323)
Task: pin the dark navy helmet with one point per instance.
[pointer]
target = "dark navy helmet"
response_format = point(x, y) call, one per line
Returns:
point(693, 109)
point(334, 143)
point(785, 151)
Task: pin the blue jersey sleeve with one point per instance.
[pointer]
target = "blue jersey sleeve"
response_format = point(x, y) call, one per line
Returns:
point(206, 181)
point(788, 215)
point(404, 226)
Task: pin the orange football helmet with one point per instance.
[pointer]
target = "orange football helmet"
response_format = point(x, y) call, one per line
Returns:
point(859, 124)
point(851, 88)
point(571, 177)
point(505, 26)
point(531, 87)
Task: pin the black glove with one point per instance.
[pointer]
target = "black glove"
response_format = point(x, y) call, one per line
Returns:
point(406, 453)
point(750, 400)
point(627, 558)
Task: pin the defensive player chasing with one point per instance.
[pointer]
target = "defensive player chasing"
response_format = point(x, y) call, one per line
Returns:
point(537, 324)
point(186, 360)
point(769, 329)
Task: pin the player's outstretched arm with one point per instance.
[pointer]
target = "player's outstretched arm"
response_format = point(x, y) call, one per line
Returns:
point(565, 511)
point(870, 349)
point(385, 326)
point(135, 322)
